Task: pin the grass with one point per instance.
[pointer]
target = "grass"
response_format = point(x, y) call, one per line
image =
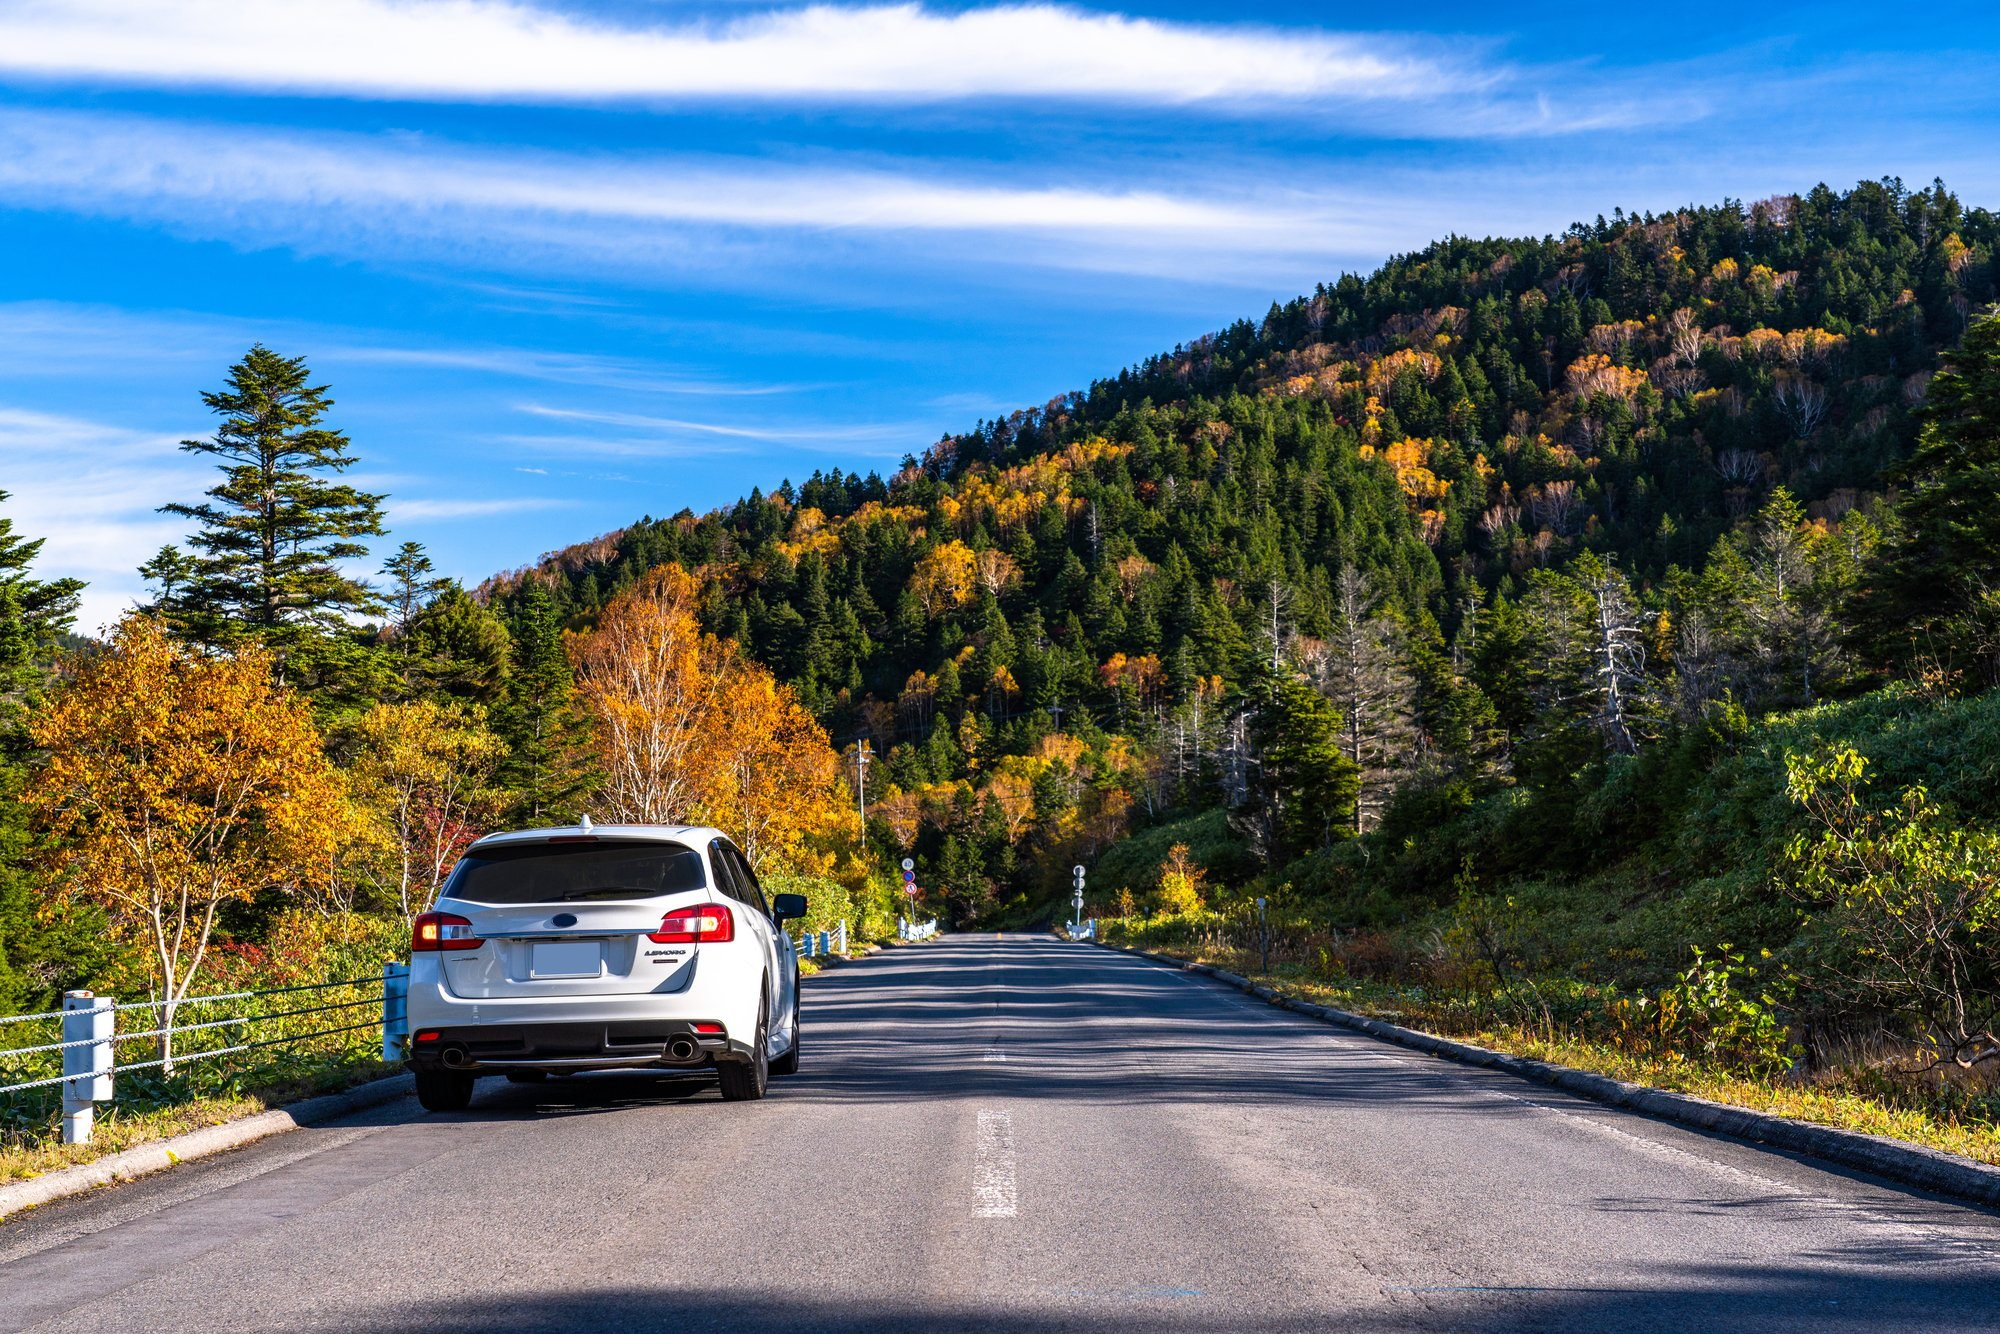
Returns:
point(1960, 1117)
point(30, 1150)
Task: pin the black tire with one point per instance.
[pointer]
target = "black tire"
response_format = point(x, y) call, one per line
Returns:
point(745, 1081)
point(788, 1064)
point(526, 1076)
point(444, 1090)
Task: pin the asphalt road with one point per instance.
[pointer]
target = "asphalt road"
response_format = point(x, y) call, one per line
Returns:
point(1011, 1135)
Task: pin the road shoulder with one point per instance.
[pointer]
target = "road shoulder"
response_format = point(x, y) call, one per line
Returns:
point(159, 1155)
point(1893, 1160)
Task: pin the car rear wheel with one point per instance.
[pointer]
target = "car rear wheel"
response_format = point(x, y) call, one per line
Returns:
point(744, 1081)
point(444, 1090)
point(788, 1064)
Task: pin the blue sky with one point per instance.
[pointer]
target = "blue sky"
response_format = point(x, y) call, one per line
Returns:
point(569, 264)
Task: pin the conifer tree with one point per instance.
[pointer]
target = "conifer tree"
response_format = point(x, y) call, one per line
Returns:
point(273, 533)
point(541, 721)
point(34, 614)
point(1933, 595)
point(412, 583)
point(39, 953)
point(459, 648)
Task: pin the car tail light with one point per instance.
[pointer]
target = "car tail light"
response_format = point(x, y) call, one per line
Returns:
point(708, 1029)
point(442, 931)
point(707, 923)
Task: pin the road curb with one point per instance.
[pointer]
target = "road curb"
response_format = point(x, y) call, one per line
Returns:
point(146, 1159)
point(1892, 1159)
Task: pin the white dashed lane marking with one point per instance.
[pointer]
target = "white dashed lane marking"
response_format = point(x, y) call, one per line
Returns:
point(993, 1167)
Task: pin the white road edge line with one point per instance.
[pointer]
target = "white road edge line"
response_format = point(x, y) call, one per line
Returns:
point(993, 1166)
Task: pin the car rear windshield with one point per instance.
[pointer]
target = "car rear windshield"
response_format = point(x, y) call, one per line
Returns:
point(575, 872)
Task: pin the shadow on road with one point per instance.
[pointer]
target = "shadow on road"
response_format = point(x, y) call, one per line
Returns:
point(1747, 1297)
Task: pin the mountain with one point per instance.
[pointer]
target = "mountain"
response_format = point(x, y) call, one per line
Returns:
point(1412, 490)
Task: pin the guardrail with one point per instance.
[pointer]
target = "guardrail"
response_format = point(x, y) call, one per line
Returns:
point(813, 944)
point(90, 1036)
point(906, 930)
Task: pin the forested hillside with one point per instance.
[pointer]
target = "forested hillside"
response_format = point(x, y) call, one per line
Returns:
point(1469, 525)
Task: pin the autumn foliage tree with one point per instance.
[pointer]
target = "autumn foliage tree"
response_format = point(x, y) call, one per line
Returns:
point(176, 782)
point(423, 773)
point(650, 678)
point(690, 731)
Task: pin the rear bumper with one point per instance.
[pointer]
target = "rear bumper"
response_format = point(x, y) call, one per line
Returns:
point(669, 1044)
point(581, 1031)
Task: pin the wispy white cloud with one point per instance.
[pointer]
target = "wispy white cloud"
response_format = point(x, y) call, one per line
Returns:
point(492, 50)
point(164, 164)
point(362, 195)
point(55, 338)
point(90, 489)
point(405, 510)
point(812, 435)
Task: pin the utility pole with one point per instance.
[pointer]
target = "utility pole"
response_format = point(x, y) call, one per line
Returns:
point(1263, 938)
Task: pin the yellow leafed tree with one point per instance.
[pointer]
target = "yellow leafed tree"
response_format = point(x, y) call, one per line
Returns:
point(945, 579)
point(423, 775)
point(175, 782)
point(1181, 882)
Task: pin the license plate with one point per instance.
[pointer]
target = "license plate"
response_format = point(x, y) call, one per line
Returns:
point(564, 958)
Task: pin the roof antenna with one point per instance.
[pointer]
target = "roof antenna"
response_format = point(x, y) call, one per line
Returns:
point(586, 824)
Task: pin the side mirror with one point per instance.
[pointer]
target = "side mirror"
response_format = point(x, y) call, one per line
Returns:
point(787, 907)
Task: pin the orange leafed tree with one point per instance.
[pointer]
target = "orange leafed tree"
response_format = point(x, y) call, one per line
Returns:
point(779, 789)
point(175, 782)
point(692, 732)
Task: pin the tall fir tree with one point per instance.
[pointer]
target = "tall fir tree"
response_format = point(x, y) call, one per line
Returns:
point(272, 535)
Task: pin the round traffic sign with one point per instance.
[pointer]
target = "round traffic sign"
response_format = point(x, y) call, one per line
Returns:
point(909, 865)
point(1078, 869)
point(911, 890)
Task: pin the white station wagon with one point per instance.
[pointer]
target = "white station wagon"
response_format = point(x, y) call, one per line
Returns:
point(602, 947)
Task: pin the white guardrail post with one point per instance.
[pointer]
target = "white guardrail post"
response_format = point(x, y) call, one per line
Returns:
point(395, 1009)
point(88, 1019)
point(840, 937)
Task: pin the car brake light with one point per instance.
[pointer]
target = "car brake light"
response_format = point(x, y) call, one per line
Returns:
point(429, 1035)
point(442, 931)
point(708, 1028)
point(707, 923)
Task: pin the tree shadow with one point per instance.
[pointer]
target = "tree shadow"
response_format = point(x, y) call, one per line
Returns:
point(1674, 1300)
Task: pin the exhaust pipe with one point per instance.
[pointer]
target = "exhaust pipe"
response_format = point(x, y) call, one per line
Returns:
point(456, 1057)
point(682, 1048)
